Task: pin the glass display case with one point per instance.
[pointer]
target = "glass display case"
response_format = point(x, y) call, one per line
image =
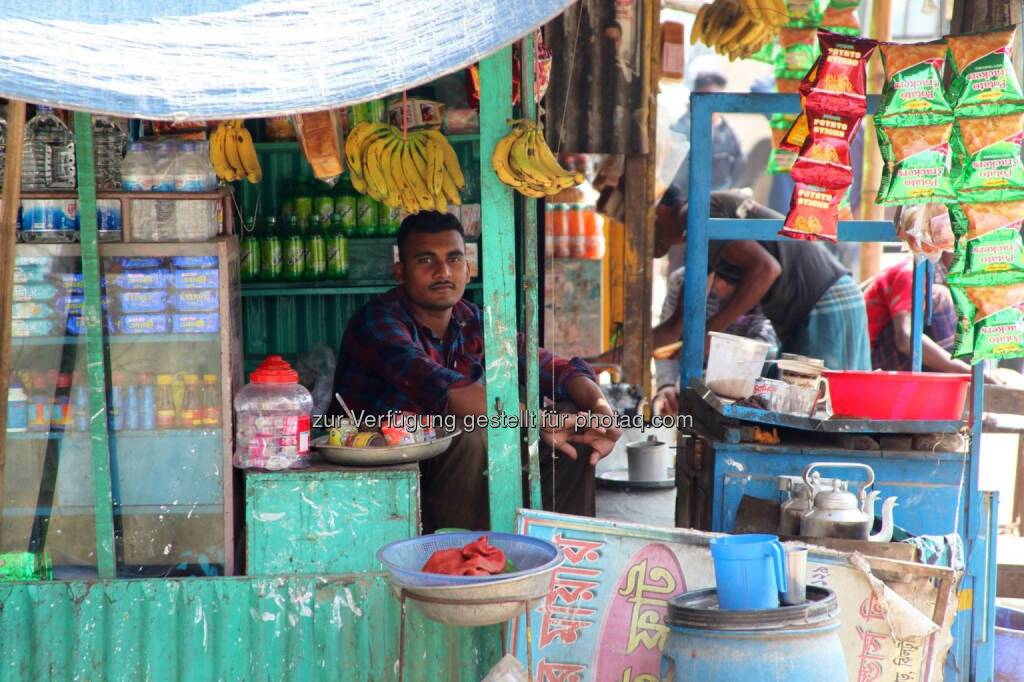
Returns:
point(171, 326)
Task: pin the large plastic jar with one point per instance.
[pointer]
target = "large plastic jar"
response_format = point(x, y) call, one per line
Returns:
point(273, 415)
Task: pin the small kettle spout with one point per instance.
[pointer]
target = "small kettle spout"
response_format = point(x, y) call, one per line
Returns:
point(885, 534)
point(868, 503)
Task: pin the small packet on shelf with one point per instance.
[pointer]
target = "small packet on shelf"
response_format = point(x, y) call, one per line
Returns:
point(992, 169)
point(839, 83)
point(913, 92)
point(984, 80)
point(813, 213)
point(824, 158)
point(919, 167)
point(990, 321)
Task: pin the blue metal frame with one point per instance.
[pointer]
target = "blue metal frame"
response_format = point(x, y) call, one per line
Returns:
point(980, 507)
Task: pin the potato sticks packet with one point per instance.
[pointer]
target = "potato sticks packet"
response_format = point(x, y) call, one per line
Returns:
point(990, 321)
point(913, 93)
point(813, 213)
point(838, 85)
point(805, 13)
point(920, 165)
point(984, 81)
point(992, 169)
point(824, 158)
point(842, 21)
point(796, 53)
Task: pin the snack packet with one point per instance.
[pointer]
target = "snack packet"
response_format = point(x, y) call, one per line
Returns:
point(838, 85)
point(780, 160)
point(805, 13)
point(984, 81)
point(813, 213)
point(913, 85)
point(996, 252)
point(798, 49)
point(920, 164)
point(788, 86)
point(990, 321)
point(843, 21)
point(824, 158)
point(992, 170)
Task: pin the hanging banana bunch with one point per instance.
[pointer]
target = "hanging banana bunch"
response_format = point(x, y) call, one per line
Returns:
point(738, 28)
point(523, 160)
point(232, 153)
point(418, 171)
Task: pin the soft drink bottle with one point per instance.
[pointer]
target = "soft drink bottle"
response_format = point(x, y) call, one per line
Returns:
point(366, 216)
point(211, 400)
point(271, 252)
point(315, 250)
point(294, 252)
point(166, 414)
point(147, 402)
point(132, 408)
point(191, 414)
point(345, 207)
point(337, 250)
point(249, 253)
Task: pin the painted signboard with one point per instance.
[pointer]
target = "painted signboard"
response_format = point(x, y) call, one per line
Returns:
point(604, 616)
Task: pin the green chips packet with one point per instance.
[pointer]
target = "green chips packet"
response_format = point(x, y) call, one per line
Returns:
point(984, 81)
point(992, 168)
point(796, 53)
point(913, 94)
point(919, 166)
point(990, 321)
point(992, 257)
point(806, 13)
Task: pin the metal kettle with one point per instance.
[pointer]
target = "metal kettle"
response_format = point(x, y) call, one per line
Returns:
point(799, 500)
point(838, 513)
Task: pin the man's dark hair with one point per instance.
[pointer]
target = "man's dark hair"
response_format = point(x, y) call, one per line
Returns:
point(709, 79)
point(673, 198)
point(427, 222)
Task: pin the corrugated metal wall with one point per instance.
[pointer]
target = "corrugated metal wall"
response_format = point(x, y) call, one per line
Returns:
point(595, 99)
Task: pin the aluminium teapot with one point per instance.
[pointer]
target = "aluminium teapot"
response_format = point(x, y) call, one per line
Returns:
point(838, 513)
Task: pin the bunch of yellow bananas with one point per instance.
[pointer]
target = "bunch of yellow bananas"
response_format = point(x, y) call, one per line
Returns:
point(739, 28)
point(417, 172)
point(523, 160)
point(233, 154)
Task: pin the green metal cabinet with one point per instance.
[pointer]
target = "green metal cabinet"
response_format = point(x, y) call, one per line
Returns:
point(327, 520)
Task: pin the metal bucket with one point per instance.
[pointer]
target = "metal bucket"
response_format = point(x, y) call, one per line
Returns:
point(798, 643)
point(1009, 645)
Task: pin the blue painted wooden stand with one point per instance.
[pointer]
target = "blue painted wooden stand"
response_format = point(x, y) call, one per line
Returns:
point(938, 491)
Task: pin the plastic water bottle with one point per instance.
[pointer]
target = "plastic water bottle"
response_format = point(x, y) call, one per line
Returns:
point(49, 161)
point(108, 149)
point(163, 158)
point(194, 173)
point(137, 176)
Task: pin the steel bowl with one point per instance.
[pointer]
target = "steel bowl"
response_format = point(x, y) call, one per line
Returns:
point(384, 456)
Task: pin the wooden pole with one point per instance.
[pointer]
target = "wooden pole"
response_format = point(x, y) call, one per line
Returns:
point(871, 252)
point(8, 237)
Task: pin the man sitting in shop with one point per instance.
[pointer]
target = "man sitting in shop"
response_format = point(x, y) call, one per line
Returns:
point(419, 349)
point(812, 301)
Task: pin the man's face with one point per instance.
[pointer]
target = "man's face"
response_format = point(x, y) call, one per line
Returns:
point(434, 271)
point(669, 224)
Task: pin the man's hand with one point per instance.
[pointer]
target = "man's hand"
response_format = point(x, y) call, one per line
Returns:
point(612, 356)
point(562, 430)
point(666, 401)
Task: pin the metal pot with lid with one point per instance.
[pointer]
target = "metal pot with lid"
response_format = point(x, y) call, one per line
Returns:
point(838, 513)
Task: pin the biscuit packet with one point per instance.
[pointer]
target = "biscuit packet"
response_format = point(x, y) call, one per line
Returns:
point(824, 158)
point(990, 321)
point(813, 213)
point(984, 81)
point(920, 165)
point(913, 93)
point(839, 83)
point(991, 169)
point(796, 53)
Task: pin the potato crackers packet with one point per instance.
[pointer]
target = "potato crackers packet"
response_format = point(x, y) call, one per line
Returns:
point(919, 167)
point(991, 169)
point(913, 93)
point(984, 81)
point(990, 321)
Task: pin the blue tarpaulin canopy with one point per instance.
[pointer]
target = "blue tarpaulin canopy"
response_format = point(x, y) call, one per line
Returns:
point(203, 59)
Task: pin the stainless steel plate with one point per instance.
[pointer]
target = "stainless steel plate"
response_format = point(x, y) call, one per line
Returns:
point(386, 456)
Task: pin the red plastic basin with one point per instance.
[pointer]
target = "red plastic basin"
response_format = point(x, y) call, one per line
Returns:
point(898, 395)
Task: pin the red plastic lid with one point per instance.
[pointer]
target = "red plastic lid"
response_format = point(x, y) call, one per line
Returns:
point(274, 370)
point(64, 380)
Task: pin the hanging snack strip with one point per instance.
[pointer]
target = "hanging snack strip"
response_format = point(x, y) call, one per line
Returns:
point(834, 102)
point(987, 274)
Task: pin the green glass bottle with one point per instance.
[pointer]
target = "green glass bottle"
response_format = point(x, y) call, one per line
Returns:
point(271, 252)
point(294, 252)
point(345, 206)
point(366, 216)
point(337, 249)
point(249, 252)
point(315, 246)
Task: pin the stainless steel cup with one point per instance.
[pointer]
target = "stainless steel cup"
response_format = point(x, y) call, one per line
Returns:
point(796, 574)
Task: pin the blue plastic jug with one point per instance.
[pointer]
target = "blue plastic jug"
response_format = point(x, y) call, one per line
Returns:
point(750, 571)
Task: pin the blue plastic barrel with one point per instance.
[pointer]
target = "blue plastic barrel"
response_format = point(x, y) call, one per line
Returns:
point(792, 643)
point(750, 571)
point(1009, 652)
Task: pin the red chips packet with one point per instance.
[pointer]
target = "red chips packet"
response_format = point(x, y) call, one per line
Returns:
point(813, 213)
point(824, 158)
point(839, 84)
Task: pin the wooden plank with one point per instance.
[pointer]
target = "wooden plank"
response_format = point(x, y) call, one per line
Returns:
point(92, 317)
point(898, 551)
point(499, 302)
point(8, 238)
point(1004, 400)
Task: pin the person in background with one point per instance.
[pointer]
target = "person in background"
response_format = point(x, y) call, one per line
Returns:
point(727, 162)
point(812, 301)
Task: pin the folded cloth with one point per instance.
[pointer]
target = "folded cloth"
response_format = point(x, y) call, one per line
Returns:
point(477, 558)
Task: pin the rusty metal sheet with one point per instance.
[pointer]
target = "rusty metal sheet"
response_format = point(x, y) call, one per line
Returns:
point(595, 101)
